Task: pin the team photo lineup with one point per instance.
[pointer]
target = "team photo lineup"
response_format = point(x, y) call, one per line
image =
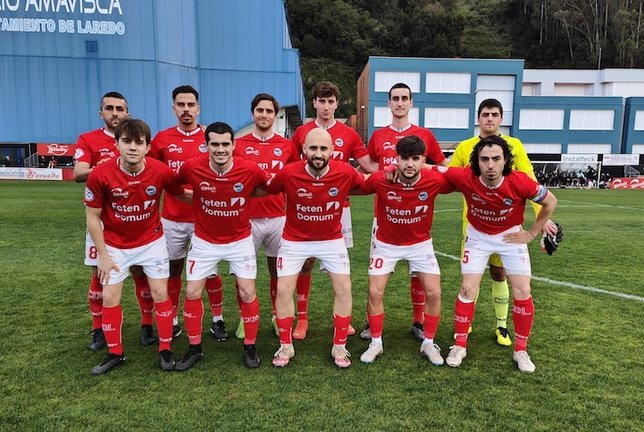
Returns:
point(177, 204)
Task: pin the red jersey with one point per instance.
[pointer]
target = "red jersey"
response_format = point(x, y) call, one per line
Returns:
point(494, 210)
point(173, 146)
point(130, 203)
point(220, 202)
point(405, 212)
point(95, 147)
point(346, 141)
point(314, 206)
point(270, 155)
point(382, 145)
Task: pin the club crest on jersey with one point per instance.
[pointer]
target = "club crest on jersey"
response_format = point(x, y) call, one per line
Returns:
point(150, 190)
point(120, 193)
point(303, 193)
point(507, 201)
point(339, 142)
point(277, 151)
point(422, 196)
point(333, 191)
point(78, 154)
point(89, 196)
point(393, 196)
point(203, 148)
point(173, 148)
point(251, 151)
point(388, 146)
point(205, 186)
point(238, 187)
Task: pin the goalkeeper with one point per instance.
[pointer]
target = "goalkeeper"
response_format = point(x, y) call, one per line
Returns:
point(490, 117)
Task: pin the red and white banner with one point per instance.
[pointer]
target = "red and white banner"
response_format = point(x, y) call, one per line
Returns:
point(621, 159)
point(45, 149)
point(31, 173)
point(627, 183)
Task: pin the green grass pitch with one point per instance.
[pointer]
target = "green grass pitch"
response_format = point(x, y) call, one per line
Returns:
point(586, 341)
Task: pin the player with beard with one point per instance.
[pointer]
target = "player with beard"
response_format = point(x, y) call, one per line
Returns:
point(174, 146)
point(315, 190)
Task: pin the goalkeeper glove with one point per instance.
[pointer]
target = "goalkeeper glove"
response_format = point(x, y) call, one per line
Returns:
point(550, 243)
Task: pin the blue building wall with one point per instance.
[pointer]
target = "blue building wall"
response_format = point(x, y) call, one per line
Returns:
point(632, 136)
point(51, 82)
point(568, 136)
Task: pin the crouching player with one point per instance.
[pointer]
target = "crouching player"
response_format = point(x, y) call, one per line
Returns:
point(122, 206)
point(405, 210)
point(496, 197)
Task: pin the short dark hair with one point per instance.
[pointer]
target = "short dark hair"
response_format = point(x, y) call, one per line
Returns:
point(185, 89)
point(490, 103)
point(219, 128)
point(133, 128)
point(326, 89)
point(489, 142)
point(264, 96)
point(112, 94)
point(400, 85)
point(410, 146)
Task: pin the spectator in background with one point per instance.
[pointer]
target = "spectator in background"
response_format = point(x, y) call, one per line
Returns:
point(7, 161)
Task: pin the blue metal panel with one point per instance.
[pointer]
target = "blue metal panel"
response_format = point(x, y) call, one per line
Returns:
point(567, 136)
point(632, 136)
point(228, 50)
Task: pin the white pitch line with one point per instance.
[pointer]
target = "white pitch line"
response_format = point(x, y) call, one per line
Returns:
point(567, 284)
point(601, 205)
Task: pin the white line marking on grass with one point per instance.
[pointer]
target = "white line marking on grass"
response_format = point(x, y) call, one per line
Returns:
point(601, 205)
point(567, 284)
point(449, 210)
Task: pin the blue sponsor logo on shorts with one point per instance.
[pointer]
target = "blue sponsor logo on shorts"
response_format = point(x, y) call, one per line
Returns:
point(238, 187)
point(150, 190)
point(333, 191)
point(422, 196)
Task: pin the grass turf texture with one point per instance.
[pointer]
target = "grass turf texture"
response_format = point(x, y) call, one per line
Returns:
point(587, 346)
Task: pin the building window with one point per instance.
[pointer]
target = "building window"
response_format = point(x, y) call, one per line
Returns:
point(543, 148)
point(384, 80)
point(570, 89)
point(448, 83)
point(639, 121)
point(589, 148)
point(531, 89)
point(592, 119)
point(447, 118)
point(530, 119)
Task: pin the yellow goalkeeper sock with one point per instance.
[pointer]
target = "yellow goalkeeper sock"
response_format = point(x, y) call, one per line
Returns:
point(500, 295)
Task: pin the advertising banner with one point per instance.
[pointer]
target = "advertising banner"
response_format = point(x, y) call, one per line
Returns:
point(627, 183)
point(31, 173)
point(45, 149)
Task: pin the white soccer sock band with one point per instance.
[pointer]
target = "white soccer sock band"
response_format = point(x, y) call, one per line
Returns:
point(464, 300)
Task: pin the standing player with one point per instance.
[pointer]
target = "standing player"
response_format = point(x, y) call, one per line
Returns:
point(122, 199)
point(271, 152)
point(174, 146)
point(92, 149)
point(346, 144)
point(405, 210)
point(496, 197)
point(315, 190)
point(222, 188)
point(382, 149)
point(490, 117)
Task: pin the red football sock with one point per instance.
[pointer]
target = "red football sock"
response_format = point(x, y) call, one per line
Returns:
point(112, 323)
point(417, 299)
point(95, 296)
point(250, 316)
point(273, 289)
point(174, 292)
point(522, 316)
point(430, 325)
point(340, 329)
point(376, 324)
point(215, 295)
point(285, 327)
point(303, 288)
point(163, 315)
point(144, 296)
point(463, 316)
point(192, 318)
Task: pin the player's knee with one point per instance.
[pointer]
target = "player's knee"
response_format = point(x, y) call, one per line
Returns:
point(521, 292)
point(497, 273)
point(469, 291)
